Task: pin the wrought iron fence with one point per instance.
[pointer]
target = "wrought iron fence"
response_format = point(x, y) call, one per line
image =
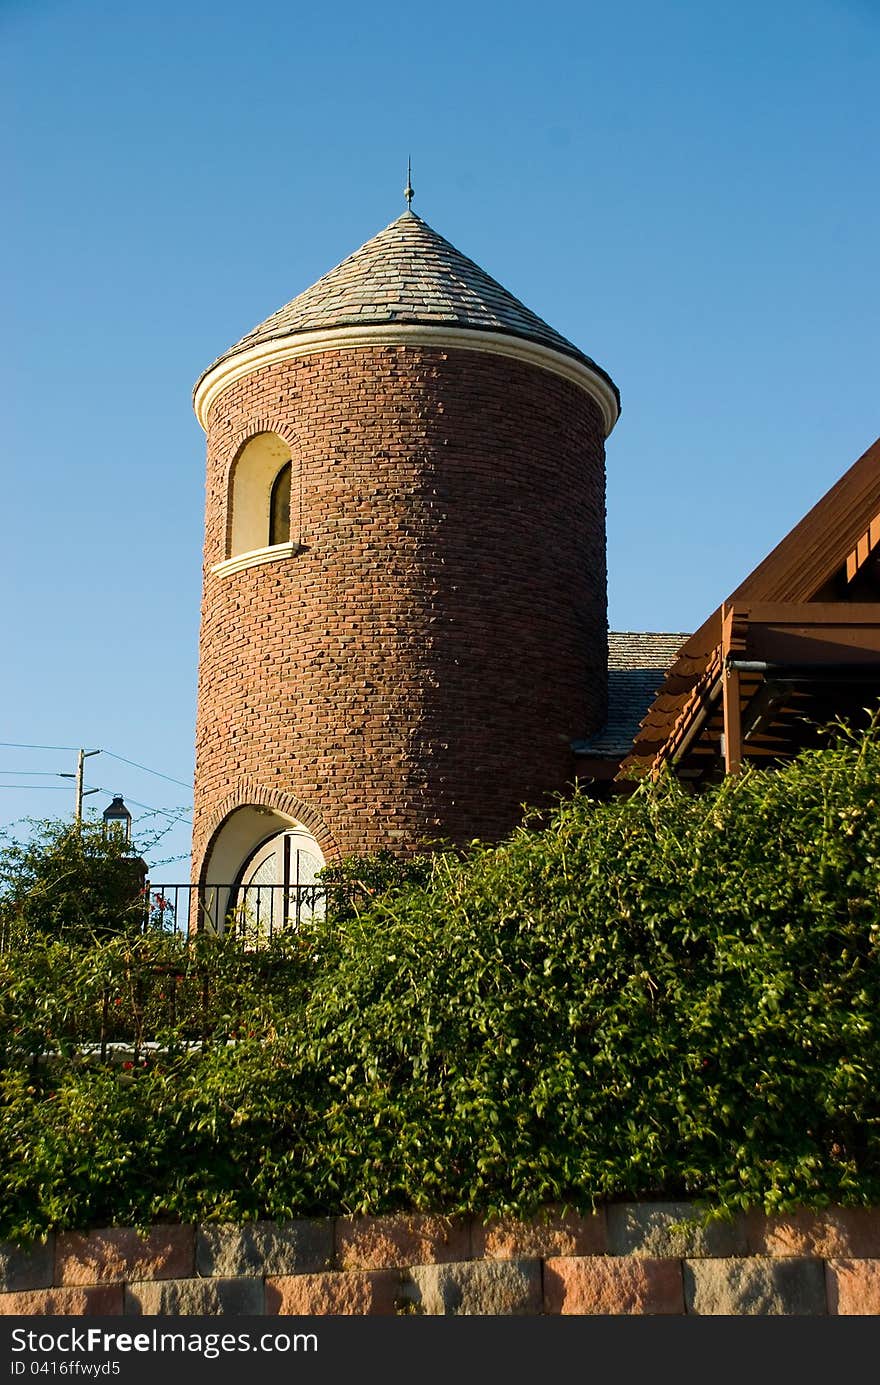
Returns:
point(154, 992)
point(254, 913)
point(141, 1009)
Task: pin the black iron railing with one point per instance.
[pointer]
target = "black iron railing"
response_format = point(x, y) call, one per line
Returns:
point(154, 990)
point(254, 913)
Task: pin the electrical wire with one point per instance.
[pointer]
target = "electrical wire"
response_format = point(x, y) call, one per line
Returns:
point(146, 768)
point(23, 745)
point(174, 815)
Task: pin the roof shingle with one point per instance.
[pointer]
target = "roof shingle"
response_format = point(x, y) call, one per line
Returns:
point(637, 662)
point(408, 273)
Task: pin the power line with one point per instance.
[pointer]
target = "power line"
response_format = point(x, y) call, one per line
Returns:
point(23, 745)
point(146, 768)
point(174, 815)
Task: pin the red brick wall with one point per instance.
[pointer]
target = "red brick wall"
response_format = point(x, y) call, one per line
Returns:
point(419, 670)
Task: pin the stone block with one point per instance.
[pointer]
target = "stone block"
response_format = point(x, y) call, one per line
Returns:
point(91, 1300)
point(27, 1265)
point(559, 1233)
point(373, 1243)
point(353, 1293)
point(239, 1298)
point(845, 1233)
point(489, 1288)
point(656, 1229)
point(612, 1285)
point(119, 1253)
point(755, 1287)
point(853, 1287)
point(265, 1248)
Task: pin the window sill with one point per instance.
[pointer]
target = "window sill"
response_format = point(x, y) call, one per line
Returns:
point(255, 557)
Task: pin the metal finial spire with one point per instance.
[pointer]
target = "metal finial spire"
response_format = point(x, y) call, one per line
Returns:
point(408, 190)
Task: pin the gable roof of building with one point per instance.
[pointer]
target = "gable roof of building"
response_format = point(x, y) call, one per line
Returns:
point(637, 661)
point(795, 571)
point(408, 273)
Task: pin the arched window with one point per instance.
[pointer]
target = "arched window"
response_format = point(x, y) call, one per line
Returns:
point(259, 499)
point(279, 506)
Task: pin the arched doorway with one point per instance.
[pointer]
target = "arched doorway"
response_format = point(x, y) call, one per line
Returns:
point(255, 853)
point(277, 887)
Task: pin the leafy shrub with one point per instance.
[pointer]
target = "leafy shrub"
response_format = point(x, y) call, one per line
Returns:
point(70, 880)
point(356, 883)
point(664, 996)
point(61, 998)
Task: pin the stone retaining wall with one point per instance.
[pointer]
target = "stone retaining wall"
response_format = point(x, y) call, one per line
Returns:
point(626, 1258)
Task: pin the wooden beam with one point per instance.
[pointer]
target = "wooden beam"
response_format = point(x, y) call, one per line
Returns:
point(795, 571)
point(763, 707)
point(732, 722)
point(808, 613)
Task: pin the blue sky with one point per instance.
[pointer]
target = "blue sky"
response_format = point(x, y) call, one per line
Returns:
point(688, 191)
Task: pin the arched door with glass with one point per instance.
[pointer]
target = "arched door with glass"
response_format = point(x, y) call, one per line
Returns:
point(278, 886)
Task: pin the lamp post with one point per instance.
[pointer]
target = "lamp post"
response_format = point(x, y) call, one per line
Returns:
point(117, 818)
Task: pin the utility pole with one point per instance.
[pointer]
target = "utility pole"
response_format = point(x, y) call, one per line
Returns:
point(80, 792)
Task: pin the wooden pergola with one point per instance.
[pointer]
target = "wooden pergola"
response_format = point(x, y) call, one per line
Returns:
point(796, 646)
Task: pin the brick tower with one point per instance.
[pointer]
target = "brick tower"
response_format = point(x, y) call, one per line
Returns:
point(404, 612)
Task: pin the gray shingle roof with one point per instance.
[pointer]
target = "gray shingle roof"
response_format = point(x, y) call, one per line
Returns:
point(409, 274)
point(637, 661)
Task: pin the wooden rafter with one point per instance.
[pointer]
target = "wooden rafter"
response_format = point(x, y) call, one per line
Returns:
point(843, 526)
point(863, 549)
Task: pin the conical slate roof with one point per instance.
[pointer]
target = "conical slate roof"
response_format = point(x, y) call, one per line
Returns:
point(409, 274)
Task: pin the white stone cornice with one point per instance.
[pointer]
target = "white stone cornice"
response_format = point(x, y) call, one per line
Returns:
point(226, 372)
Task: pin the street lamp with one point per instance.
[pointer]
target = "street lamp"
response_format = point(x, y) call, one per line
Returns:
point(117, 818)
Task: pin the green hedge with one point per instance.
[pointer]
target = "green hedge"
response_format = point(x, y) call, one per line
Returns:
point(665, 996)
point(139, 991)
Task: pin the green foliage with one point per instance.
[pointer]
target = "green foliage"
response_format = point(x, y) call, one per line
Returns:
point(356, 883)
point(139, 992)
point(69, 880)
point(665, 996)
